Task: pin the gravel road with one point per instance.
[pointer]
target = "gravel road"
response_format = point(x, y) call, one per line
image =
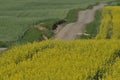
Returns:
point(70, 31)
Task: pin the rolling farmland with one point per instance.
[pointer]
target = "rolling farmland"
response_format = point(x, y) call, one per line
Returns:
point(96, 58)
point(16, 17)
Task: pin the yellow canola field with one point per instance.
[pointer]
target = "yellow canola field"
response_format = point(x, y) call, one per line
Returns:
point(57, 60)
point(110, 24)
point(114, 72)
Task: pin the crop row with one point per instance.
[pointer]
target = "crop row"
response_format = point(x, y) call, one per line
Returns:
point(109, 28)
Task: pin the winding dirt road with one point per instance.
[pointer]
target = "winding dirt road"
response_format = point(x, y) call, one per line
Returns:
point(70, 31)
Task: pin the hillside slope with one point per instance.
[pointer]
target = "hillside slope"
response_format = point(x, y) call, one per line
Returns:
point(18, 16)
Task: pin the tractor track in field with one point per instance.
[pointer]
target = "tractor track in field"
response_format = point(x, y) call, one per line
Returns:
point(2, 49)
point(71, 30)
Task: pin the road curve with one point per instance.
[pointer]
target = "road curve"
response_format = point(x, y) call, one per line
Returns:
point(70, 31)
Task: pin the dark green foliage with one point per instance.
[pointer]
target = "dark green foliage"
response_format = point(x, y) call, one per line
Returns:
point(32, 34)
point(3, 44)
point(48, 23)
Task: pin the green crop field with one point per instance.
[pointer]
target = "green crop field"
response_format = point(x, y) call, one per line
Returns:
point(17, 16)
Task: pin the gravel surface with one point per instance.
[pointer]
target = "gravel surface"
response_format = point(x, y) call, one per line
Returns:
point(70, 31)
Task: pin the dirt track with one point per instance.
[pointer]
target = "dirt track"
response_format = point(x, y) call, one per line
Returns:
point(1, 49)
point(70, 31)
